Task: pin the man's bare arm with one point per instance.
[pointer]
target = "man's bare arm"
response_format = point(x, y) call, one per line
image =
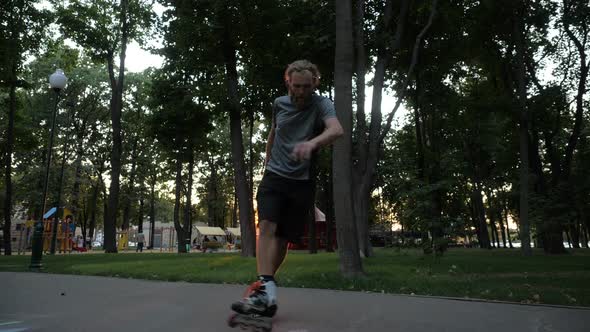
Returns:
point(269, 142)
point(332, 131)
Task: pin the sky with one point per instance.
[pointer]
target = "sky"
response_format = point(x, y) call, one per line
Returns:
point(138, 60)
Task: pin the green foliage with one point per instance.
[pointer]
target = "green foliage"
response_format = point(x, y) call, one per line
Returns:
point(24, 27)
point(96, 25)
point(179, 119)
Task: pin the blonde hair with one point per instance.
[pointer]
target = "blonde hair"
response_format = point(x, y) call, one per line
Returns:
point(300, 66)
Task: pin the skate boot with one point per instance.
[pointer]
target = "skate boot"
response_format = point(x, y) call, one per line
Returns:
point(258, 300)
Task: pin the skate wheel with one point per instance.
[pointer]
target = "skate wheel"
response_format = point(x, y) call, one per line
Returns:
point(230, 320)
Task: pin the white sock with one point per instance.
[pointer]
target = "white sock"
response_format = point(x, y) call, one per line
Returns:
point(270, 287)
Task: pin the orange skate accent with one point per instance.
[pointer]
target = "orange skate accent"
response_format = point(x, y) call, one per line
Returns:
point(252, 288)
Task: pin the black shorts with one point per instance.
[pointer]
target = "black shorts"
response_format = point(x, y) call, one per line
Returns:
point(286, 202)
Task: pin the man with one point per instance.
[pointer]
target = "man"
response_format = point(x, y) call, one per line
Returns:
point(285, 195)
point(140, 241)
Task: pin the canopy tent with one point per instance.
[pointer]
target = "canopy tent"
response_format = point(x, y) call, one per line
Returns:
point(212, 231)
point(319, 215)
point(201, 231)
point(234, 231)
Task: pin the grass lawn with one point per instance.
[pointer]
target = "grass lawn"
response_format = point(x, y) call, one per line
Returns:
point(499, 274)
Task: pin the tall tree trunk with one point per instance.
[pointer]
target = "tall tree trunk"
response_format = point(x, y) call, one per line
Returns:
point(153, 180)
point(188, 222)
point(83, 215)
point(237, 146)
point(329, 185)
point(140, 213)
point(505, 209)
point(434, 175)
point(524, 130)
point(116, 104)
point(360, 200)
point(234, 210)
point(251, 155)
point(502, 229)
point(419, 125)
point(495, 241)
point(58, 198)
point(78, 173)
point(94, 206)
point(474, 218)
point(8, 166)
point(130, 193)
point(477, 201)
point(348, 247)
point(177, 195)
point(212, 196)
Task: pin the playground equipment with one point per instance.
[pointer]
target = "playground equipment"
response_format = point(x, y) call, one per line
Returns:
point(65, 235)
point(123, 240)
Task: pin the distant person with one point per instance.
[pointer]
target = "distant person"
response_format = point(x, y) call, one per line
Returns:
point(140, 241)
point(80, 246)
point(204, 243)
point(71, 224)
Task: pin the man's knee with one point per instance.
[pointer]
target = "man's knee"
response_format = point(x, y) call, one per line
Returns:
point(267, 228)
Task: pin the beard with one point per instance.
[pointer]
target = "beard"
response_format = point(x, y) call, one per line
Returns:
point(301, 101)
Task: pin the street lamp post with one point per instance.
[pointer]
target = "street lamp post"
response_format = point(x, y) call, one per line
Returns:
point(57, 81)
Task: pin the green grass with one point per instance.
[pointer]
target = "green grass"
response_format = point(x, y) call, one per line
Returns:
point(468, 273)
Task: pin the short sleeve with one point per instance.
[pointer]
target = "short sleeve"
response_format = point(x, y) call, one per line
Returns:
point(274, 111)
point(327, 109)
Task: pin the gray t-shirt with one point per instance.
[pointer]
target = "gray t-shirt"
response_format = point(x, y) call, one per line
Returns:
point(293, 126)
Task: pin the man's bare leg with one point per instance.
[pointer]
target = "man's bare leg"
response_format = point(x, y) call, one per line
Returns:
point(282, 253)
point(271, 252)
point(271, 249)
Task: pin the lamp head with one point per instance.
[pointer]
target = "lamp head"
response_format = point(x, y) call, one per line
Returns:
point(58, 80)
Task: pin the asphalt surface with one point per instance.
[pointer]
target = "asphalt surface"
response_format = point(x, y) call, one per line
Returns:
point(48, 302)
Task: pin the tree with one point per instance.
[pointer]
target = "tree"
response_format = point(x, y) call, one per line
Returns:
point(23, 29)
point(180, 125)
point(86, 94)
point(524, 130)
point(350, 261)
point(233, 104)
point(371, 138)
point(113, 26)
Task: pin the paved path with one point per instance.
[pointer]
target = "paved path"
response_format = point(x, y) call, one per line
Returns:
point(46, 302)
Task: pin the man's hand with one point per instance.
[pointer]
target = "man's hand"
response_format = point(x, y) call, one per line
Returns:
point(303, 151)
